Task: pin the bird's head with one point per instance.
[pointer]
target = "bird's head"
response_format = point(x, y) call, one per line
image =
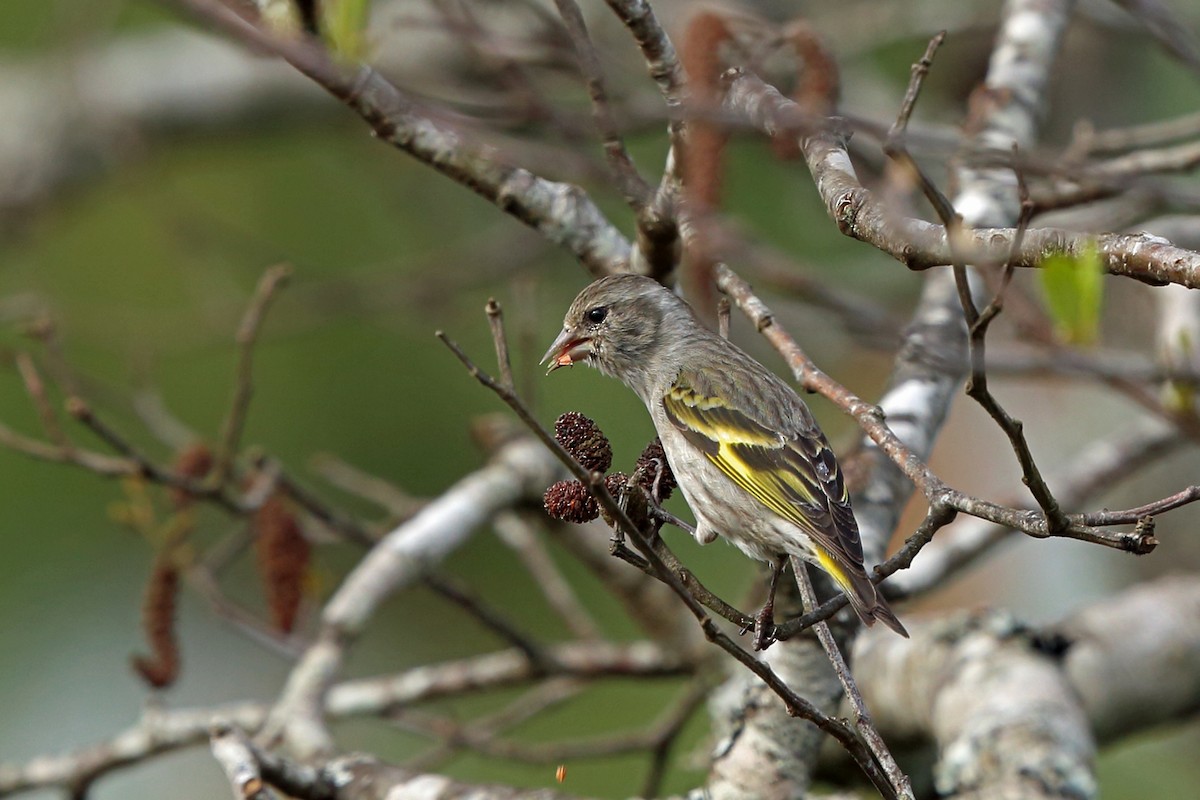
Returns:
point(621, 325)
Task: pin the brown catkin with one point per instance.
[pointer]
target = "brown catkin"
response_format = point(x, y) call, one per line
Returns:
point(283, 557)
point(161, 668)
point(701, 161)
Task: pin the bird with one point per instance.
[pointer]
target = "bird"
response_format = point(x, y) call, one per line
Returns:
point(747, 453)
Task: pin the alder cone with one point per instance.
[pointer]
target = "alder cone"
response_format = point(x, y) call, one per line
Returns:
point(570, 501)
point(582, 438)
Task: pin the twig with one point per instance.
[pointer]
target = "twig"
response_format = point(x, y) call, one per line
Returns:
point(335, 520)
point(560, 211)
point(164, 731)
point(480, 737)
point(519, 470)
point(624, 172)
point(936, 491)
point(543, 696)
point(862, 716)
point(495, 317)
point(667, 731)
point(138, 464)
point(518, 533)
point(489, 617)
point(993, 308)
point(723, 317)
point(247, 336)
point(661, 61)
point(935, 519)
point(1181, 498)
point(46, 332)
point(349, 478)
point(37, 393)
point(234, 753)
point(1150, 134)
point(977, 323)
point(921, 245)
point(150, 408)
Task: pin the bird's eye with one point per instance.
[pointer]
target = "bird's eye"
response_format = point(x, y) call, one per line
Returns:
point(597, 315)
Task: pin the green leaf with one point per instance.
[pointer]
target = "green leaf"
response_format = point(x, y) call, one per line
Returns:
point(344, 26)
point(1074, 289)
point(1179, 395)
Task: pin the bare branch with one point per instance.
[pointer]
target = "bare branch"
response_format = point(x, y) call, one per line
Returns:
point(162, 731)
point(561, 212)
point(862, 716)
point(519, 534)
point(247, 336)
point(631, 184)
point(921, 245)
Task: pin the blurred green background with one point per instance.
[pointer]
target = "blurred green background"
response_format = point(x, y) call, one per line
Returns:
point(146, 265)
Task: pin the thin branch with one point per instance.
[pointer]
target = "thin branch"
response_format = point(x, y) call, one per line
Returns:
point(1099, 467)
point(520, 469)
point(519, 534)
point(977, 324)
point(936, 519)
point(1150, 134)
point(633, 187)
point(495, 317)
point(862, 716)
point(936, 491)
point(488, 616)
point(545, 695)
point(661, 59)
point(483, 741)
point(36, 390)
point(561, 212)
point(667, 731)
point(681, 576)
point(247, 336)
point(1128, 516)
point(921, 245)
point(349, 478)
point(136, 463)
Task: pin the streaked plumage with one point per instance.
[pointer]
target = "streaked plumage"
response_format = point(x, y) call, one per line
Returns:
point(745, 449)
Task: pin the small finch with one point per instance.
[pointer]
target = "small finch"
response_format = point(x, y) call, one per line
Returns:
point(745, 450)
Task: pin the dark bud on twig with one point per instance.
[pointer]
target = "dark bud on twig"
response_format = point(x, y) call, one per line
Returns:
point(652, 466)
point(161, 668)
point(570, 501)
point(193, 461)
point(583, 439)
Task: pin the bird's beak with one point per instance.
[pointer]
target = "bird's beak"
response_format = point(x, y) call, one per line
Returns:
point(568, 348)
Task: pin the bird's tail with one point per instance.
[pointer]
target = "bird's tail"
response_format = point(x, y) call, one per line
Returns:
point(864, 598)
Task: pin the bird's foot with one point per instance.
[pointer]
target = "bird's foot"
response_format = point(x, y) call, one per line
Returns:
point(764, 627)
point(662, 515)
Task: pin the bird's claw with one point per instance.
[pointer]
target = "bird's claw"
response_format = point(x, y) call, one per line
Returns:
point(764, 627)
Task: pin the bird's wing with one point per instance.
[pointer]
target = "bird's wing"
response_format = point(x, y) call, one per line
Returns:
point(792, 473)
